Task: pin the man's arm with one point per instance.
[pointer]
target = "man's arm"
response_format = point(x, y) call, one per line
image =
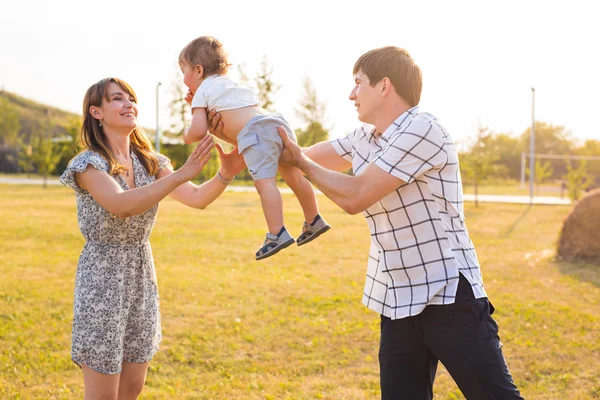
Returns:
point(353, 194)
point(325, 155)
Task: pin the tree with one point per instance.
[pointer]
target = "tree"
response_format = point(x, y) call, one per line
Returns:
point(10, 124)
point(67, 146)
point(265, 86)
point(550, 139)
point(312, 112)
point(262, 83)
point(25, 156)
point(479, 162)
point(507, 149)
point(591, 148)
point(543, 171)
point(179, 109)
point(44, 156)
point(578, 179)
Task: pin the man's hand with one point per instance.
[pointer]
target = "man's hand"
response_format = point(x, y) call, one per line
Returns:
point(215, 126)
point(291, 153)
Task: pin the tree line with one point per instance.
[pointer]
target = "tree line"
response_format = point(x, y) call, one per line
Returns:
point(44, 141)
point(498, 157)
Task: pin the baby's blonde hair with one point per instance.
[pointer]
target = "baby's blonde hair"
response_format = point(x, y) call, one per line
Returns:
point(208, 52)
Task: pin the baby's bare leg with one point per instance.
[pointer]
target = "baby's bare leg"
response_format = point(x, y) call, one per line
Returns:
point(303, 190)
point(271, 202)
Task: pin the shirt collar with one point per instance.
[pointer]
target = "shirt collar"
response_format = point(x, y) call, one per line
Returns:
point(400, 123)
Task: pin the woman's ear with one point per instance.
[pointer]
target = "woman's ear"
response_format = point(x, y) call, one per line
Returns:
point(95, 112)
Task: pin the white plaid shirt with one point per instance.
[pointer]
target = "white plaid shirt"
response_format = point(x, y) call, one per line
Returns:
point(419, 240)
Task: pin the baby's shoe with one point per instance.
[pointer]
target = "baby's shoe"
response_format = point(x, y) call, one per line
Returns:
point(313, 230)
point(274, 243)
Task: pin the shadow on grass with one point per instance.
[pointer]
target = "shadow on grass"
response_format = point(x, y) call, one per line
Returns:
point(584, 271)
point(516, 223)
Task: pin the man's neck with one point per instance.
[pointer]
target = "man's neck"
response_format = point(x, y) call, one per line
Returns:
point(389, 113)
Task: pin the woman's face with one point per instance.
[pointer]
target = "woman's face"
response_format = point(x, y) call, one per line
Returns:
point(119, 112)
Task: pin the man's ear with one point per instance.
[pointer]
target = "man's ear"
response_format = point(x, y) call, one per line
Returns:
point(199, 70)
point(386, 86)
point(96, 112)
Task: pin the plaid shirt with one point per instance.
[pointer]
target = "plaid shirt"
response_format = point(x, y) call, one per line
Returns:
point(419, 240)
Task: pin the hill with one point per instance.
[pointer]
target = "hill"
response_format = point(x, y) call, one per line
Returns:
point(33, 115)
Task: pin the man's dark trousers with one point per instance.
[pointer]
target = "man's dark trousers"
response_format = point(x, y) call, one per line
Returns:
point(463, 336)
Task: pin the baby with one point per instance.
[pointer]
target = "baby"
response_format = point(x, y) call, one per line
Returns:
point(253, 130)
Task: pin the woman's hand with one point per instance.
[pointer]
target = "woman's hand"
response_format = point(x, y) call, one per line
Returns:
point(189, 96)
point(197, 160)
point(232, 163)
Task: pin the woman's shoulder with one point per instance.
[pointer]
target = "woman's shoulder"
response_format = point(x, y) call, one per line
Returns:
point(80, 162)
point(163, 161)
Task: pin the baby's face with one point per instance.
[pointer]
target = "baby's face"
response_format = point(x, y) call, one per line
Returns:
point(191, 77)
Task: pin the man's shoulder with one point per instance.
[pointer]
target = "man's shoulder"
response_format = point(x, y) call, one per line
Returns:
point(365, 131)
point(425, 122)
point(423, 119)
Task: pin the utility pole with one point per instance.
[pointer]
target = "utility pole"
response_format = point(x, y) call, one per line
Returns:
point(523, 163)
point(157, 127)
point(532, 148)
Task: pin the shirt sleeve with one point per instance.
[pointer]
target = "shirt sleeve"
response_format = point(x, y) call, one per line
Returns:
point(343, 146)
point(79, 164)
point(415, 150)
point(199, 100)
point(163, 161)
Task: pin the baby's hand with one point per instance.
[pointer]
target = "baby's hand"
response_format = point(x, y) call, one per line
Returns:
point(189, 96)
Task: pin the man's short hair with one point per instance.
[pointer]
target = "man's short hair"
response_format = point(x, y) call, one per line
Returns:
point(396, 64)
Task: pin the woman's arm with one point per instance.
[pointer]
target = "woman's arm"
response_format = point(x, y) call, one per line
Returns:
point(126, 203)
point(201, 196)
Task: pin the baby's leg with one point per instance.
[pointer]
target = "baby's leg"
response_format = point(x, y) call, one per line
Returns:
point(271, 202)
point(303, 190)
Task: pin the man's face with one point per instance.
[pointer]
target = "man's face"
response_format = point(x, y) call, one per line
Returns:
point(366, 98)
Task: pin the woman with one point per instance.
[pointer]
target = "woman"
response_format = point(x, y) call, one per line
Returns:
point(118, 181)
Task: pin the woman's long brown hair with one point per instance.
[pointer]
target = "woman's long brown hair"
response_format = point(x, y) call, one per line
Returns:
point(92, 135)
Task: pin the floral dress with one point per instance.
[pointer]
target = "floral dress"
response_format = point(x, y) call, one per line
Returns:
point(116, 307)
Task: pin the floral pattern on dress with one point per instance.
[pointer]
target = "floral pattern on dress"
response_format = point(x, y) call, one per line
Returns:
point(116, 306)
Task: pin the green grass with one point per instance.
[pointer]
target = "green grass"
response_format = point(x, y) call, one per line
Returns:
point(292, 326)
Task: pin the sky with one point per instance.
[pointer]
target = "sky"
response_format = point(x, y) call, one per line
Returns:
point(479, 59)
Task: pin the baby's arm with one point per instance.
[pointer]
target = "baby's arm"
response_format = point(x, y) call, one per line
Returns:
point(198, 128)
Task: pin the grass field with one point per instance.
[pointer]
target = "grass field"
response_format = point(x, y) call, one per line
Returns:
point(292, 326)
point(512, 188)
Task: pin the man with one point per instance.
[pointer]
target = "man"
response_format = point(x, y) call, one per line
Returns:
point(423, 275)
